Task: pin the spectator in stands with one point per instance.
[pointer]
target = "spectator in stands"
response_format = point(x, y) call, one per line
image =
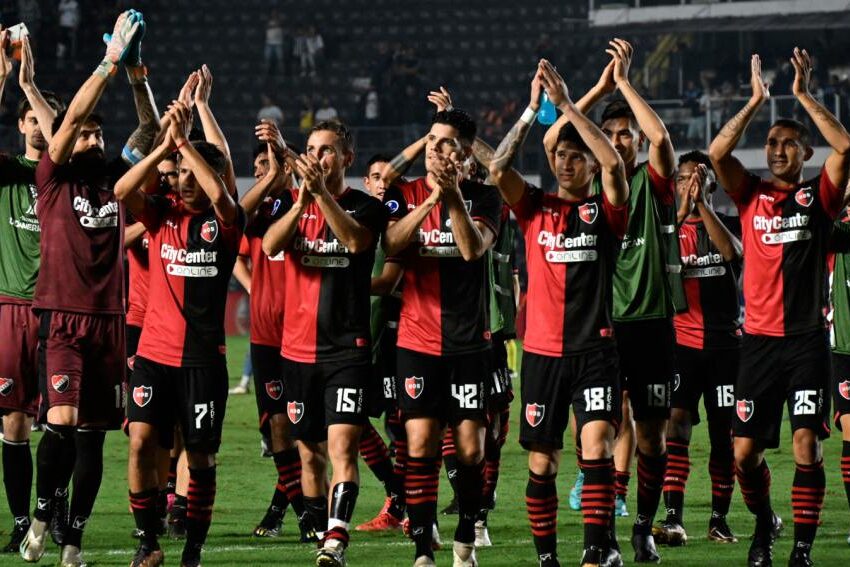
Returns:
point(306, 118)
point(270, 111)
point(371, 107)
point(326, 111)
point(69, 21)
point(273, 53)
point(308, 46)
point(315, 48)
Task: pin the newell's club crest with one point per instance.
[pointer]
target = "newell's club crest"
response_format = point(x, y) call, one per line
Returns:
point(209, 230)
point(60, 382)
point(142, 395)
point(6, 385)
point(295, 411)
point(274, 389)
point(744, 409)
point(804, 197)
point(534, 414)
point(414, 385)
point(587, 212)
point(843, 389)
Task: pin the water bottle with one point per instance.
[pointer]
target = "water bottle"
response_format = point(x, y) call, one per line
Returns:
point(547, 114)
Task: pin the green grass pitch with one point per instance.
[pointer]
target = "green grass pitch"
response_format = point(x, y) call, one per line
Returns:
point(246, 482)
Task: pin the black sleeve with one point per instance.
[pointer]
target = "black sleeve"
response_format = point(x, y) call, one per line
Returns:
point(115, 170)
point(732, 223)
point(369, 212)
point(286, 202)
point(395, 203)
point(486, 205)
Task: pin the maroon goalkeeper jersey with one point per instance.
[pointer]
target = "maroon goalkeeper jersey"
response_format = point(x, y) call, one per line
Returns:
point(711, 286)
point(326, 308)
point(571, 250)
point(268, 277)
point(82, 235)
point(445, 306)
point(190, 261)
point(785, 237)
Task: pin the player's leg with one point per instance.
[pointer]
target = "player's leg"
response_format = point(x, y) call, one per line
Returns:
point(448, 451)
point(578, 485)
point(841, 400)
point(17, 473)
point(624, 454)
point(346, 388)
point(201, 403)
point(148, 413)
point(377, 456)
point(177, 516)
point(719, 401)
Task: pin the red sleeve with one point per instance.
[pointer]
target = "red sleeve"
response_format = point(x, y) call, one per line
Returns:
point(617, 217)
point(152, 213)
point(45, 174)
point(743, 194)
point(524, 209)
point(831, 197)
point(662, 187)
point(244, 247)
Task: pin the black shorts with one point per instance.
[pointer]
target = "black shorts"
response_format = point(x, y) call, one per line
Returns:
point(325, 393)
point(589, 382)
point(840, 386)
point(450, 388)
point(382, 393)
point(193, 398)
point(268, 382)
point(782, 370)
point(709, 374)
point(501, 392)
point(647, 365)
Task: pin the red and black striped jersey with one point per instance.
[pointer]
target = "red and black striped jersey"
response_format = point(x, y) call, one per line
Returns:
point(571, 250)
point(785, 237)
point(190, 261)
point(267, 277)
point(711, 286)
point(326, 308)
point(137, 273)
point(445, 304)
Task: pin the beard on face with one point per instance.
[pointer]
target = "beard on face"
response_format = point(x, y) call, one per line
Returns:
point(90, 159)
point(38, 142)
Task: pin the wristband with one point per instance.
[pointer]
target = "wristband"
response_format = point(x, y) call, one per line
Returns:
point(528, 116)
point(137, 75)
point(106, 69)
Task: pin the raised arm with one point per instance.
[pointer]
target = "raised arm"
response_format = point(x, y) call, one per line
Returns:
point(87, 97)
point(5, 63)
point(402, 162)
point(661, 155)
point(402, 232)
point(473, 238)
point(603, 87)
point(613, 170)
point(254, 197)
point(509, 181)
point(731, 173)
point(132, 234)
point(831, 129)
point(212, 131)
point(726, 242)
point(26, 79)
point(280, 234)
point(131, 187)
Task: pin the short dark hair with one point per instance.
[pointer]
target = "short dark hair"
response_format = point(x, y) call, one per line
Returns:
point(378, 158)
point(618, 109)
point(461, 121)
point(338, 128)
point(50, 97)
point(696, 156)
point(569, 133)
point(214, 157)
point(801, 129)
point(93, 117)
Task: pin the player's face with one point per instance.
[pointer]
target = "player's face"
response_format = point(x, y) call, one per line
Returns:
point(327, 147)
point(624, 137)
point(89, 144)
point(190, 190)
point(261, 166)
point(374, 181)
point(442, 139)
point(32, 132)
point(168, 175)
point(786, 153)
point(574, 168)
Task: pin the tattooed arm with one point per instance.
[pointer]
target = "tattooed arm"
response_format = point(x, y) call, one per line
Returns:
point(509, 181)
point(731, 173)
point(483, 152)
point(141, 140)
point(836, 136)
point(402, 162)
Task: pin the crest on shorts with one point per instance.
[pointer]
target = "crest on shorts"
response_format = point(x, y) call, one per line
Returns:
point(209, 230)
point(745, 409)
point(587, 212)
point(295, 411)
point(804, 197)
point(274, 389)
point(414, 386)
point(843, 389)
point(60, 382)
point(534, 414)
point(6, 385)
point(142, 395)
